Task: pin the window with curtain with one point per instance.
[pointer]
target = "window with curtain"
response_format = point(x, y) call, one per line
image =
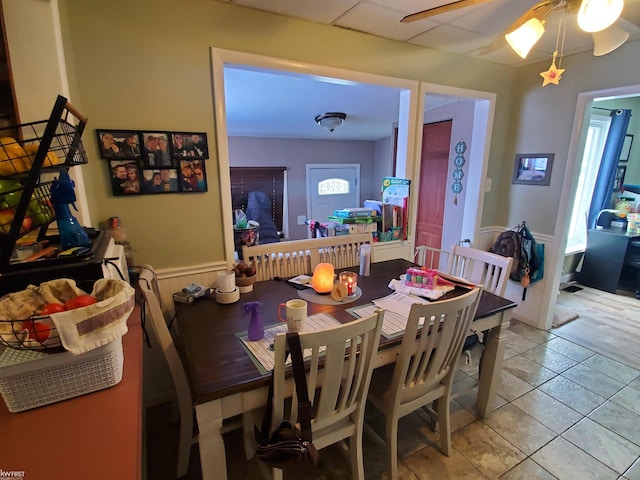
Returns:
point(594, 146)
point(269, 180)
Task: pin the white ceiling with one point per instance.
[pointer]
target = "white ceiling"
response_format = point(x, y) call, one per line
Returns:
point(466, 30)
point(262, 103)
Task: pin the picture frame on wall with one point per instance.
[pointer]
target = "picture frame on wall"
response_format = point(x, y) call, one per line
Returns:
point(144, 162)
point(125, 177)
point(156, 150)
point(160, 180)
point(626, 148)
point(189, 145)
point(618, 181)
point(193, 176)
point(119, 144)
point(532, 169)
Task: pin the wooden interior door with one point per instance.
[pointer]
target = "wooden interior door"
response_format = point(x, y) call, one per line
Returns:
point(436, 142)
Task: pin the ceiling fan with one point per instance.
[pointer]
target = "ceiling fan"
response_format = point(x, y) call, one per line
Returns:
point(594, 16)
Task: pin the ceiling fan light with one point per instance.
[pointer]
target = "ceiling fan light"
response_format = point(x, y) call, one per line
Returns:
point(331, 120)
point(522, 39)
point(596, 15)
point(607, 40)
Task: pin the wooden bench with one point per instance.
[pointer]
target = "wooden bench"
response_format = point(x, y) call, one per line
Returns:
point(297, 257)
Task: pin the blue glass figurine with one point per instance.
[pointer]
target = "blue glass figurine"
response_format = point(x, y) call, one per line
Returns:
point(62, 195)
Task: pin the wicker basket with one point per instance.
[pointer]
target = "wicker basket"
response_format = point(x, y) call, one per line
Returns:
point(30, 379)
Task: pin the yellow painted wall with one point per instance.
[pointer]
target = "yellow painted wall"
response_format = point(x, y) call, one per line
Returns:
point(144, 65)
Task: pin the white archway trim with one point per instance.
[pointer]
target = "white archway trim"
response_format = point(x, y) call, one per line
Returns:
point(569, 184)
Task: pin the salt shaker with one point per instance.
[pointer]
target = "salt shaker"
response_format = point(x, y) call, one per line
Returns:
point(365, 259)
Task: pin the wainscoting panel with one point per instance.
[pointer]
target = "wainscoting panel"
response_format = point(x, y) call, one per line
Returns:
point(528, 310)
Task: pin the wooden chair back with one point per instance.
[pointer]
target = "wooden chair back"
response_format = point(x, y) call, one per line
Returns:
point(154, 317)
point(482, 268)
point(430, 257)
point(297, 257)
point(337, 382)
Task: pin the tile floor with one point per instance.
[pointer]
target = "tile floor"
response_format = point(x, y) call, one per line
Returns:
point(564, 411)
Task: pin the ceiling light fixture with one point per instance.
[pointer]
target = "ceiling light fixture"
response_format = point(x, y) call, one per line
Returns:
point(607, 40)
point(596, 15)
point(331, 120)
point(522, 39)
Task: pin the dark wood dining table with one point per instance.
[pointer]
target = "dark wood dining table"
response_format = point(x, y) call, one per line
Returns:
point(225, 382)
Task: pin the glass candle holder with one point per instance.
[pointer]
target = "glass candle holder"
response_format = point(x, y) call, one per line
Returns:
point(349, 280)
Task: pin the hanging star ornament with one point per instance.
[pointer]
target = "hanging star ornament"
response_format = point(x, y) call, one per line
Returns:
point(554, 73)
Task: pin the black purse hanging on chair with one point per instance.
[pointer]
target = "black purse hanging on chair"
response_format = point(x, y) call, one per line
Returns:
point(288, 447)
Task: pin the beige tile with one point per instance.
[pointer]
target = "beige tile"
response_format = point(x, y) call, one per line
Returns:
point(404, 473)
point(603, 444)
point(468, 399)
point(618, 419)
point(634, 472)
point(573, 395)
point(550, 359)
point(569, 349)
point(527, 470)
point(520, 429)
point(635, 384)
point(486, 450)
point(525, 369)
point(430, 464)
point(611, 368)
point(629, 398)
point(548, 411)
point(414, 433)
point(566, 461)
point(530, 333)
point(511, 387)
point(593, 380)
point(516, 344)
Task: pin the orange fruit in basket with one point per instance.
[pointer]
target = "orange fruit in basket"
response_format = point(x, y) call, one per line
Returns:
point(51, 160)
point(16, 160)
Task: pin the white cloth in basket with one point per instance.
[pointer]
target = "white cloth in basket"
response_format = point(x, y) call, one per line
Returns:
point(87, 328)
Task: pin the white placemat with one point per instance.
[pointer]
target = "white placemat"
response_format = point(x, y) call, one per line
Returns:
point(396, 315)
point(310, 295)
point(261, 351)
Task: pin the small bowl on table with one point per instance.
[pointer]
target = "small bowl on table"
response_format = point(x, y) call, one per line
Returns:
point(245, 284)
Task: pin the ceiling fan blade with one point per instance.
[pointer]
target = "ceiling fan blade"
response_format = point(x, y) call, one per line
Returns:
point(539, 11)
point(449, 7)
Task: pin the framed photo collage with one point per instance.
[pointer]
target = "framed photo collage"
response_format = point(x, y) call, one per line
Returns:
point(149, 162)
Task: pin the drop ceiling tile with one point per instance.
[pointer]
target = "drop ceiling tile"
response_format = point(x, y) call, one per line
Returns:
point(312, 10)
point(384, 22)
point(494, 17)
point(415, 6)
point(451, 39)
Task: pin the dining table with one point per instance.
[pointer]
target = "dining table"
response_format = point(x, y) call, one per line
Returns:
point(225, 381)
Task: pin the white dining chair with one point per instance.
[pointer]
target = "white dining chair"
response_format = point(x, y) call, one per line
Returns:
point(431, 257)
point(482, 268)
point(337, 382)
point(297, 257)
point(155, 318)
point(424, 369)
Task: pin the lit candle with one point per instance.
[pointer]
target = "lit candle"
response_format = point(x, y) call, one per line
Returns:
point(349, 280)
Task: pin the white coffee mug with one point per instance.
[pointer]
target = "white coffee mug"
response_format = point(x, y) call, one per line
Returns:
point(296, 313)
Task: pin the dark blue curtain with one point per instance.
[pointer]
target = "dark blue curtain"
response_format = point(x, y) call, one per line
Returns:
point(603, 188)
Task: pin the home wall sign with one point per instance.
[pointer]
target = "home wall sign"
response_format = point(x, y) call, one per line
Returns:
point(152, 162)
point(458, 162)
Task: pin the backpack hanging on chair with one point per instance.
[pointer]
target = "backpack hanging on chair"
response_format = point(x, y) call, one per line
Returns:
point(528, 256)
